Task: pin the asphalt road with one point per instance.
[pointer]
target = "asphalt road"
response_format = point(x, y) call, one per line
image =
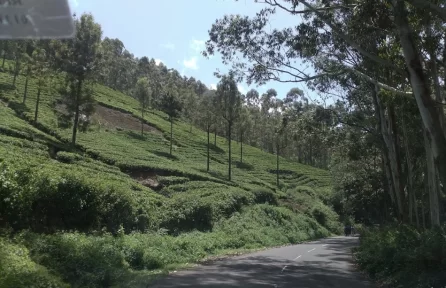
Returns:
point(318, 264)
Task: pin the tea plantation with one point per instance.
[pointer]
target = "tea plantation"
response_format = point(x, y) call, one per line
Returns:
point(117, 208)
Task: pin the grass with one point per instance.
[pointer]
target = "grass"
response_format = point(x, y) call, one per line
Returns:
point(116, 208)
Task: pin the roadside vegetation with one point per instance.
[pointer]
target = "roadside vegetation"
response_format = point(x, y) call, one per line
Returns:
point(381, 65)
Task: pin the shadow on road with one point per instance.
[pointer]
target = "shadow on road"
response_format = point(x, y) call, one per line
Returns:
point(332, 270)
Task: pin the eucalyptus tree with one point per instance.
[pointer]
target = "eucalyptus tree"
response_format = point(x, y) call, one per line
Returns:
point(228, 100)
point(206, 106)
point(142, 93)
point(80, 56)
point(170, 104)
point(41, 71)
point(349, 43)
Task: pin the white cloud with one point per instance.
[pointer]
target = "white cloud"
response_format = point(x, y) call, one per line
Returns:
point(158, 61)
point(213, 86)
point(197, 45)
point(241, 89)
point(191, 63)
point(168, 46)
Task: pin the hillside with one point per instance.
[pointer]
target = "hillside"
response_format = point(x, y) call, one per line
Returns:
point(117, 206)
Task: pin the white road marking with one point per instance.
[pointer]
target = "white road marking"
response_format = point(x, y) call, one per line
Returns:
point(297, 257)
point(324, 245)
point(311, 250)
point(283, 269)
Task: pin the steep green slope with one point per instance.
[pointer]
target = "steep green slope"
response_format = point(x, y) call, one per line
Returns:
point(135, 208)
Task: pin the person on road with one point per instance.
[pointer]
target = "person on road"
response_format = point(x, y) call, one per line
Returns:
point(352, 230)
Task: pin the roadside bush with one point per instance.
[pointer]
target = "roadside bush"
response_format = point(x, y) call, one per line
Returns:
point(18, 270)
point(403, 257)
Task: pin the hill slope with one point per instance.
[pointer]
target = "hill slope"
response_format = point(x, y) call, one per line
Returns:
point(136, 208)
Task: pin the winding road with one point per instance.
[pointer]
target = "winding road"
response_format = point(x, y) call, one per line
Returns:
point(317, 264)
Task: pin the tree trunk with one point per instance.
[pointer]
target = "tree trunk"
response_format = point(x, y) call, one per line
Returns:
point(386, 168)
point(434, 206)
point(420, 86)
point(277, 164)
point(437, 87)
point(415, 208)
point(391, 153)
point(26, 87)
point(37, 105)
point(215, 137)
point(241, 147)
point(207, 168)
point(423, 213)
point(410, 186)
point(76, 114)
point(229, 143)
point(142, 121)
point(171, 134)
point(4, 58)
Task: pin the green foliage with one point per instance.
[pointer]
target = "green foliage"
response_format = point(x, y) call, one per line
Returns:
point(401, 256)
point(17, 269)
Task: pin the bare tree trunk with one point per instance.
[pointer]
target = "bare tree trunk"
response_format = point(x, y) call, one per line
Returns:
point(215, 137)
point(420, 86)
point(230, 157)
point(142, 121)
point(76, 114)
point(4, 58)
point(386, 168)
point(277, 164)
point(423, 213)
point(410, 186)
point(415, 207)
point(171, 134)
point(390, 153)
point(434, 206)
point(393, 132)
point(37, 105)
point(16, 70)
point(208, 162)
point(25, 93)
point(241, 147)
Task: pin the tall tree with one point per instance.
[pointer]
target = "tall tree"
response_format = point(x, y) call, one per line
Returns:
point(80, 57)
point(207, 115)
point(243, 124)
point(171, 105)
point(39, 68)
point(229, 102)
point(142, 93)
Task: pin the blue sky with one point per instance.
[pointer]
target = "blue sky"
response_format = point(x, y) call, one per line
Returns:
point(174, 32)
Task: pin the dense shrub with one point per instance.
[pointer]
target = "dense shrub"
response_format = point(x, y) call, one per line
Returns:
point(18, 270)
point(50, 200)
point(403, 257)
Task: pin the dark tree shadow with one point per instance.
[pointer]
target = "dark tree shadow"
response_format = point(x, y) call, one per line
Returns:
point(216, 148)
point(244, 166)
point(18, 107)
point(267, 269)
point(164, 154)
point(216, 174)
point(6, 87)
point(138, 136)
